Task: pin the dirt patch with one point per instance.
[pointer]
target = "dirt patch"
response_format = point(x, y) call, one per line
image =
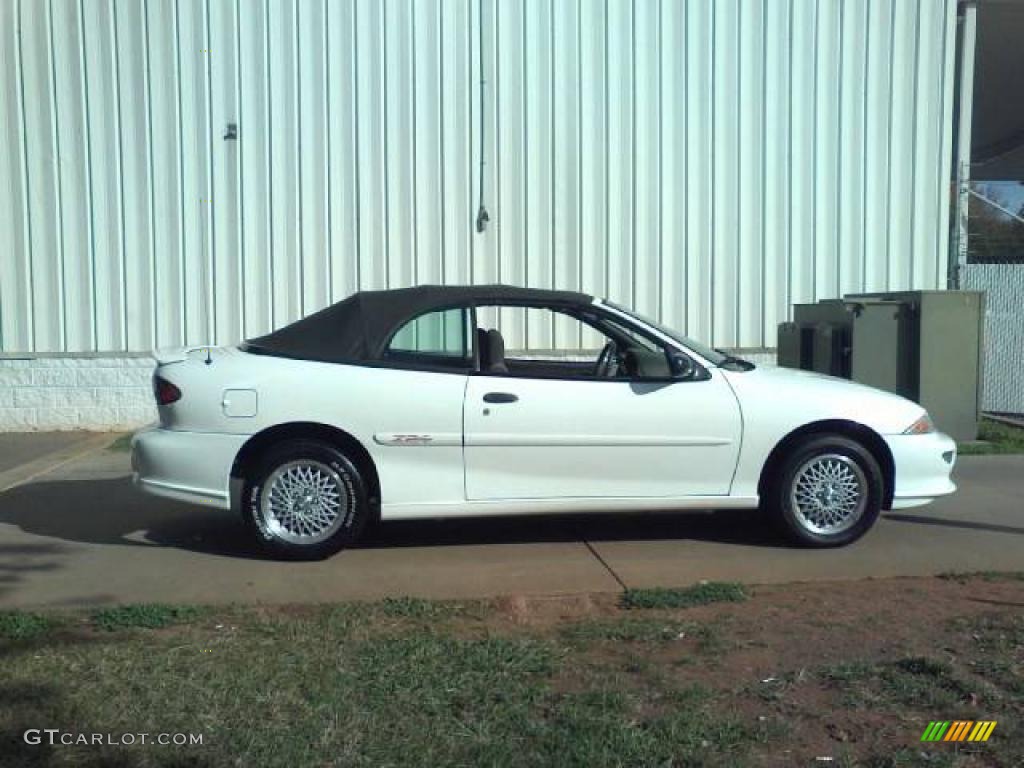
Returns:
point(825, 670)
point(539, 612)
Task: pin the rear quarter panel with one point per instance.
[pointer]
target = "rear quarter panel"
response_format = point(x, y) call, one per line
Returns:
point(361, 400)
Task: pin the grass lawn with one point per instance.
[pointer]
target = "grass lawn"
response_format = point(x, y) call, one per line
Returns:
point(713, 675)
point(994, 437)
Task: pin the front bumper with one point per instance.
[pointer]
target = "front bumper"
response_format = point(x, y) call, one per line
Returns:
point(187, 466)
point(924, 464)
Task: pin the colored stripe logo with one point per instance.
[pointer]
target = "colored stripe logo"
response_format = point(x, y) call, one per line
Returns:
point(958, 730)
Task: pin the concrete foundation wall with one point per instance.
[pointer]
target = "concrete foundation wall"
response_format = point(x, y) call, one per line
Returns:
point(76, 392)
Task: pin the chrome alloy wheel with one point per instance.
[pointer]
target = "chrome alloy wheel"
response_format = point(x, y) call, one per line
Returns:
point(304, 502)
point(829, 493)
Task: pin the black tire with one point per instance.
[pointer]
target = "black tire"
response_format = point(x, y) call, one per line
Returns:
point(306, 474)
point(846, 465)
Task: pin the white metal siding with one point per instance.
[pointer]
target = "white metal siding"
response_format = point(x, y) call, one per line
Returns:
point(709, 163)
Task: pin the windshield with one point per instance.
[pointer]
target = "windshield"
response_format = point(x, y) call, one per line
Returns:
point(712, 356)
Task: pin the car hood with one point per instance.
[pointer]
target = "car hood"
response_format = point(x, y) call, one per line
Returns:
point(811, 396)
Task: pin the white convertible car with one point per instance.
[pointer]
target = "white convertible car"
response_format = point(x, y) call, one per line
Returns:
point(406, 404)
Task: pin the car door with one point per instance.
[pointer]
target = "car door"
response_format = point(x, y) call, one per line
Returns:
point(544, 437)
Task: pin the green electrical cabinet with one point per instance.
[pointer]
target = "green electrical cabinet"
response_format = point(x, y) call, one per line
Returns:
point(818, 339)
point(884, 357)
point(923, 345)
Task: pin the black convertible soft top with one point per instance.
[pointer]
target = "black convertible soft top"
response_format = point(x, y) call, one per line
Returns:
point(359, 328)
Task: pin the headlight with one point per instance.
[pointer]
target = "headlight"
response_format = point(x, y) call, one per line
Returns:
point(922, 426)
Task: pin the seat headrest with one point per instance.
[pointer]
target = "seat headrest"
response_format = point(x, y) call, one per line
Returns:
point(497, 345)
point(496, 352)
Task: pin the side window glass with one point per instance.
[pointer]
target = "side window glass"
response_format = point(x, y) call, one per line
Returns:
point(643, 357)
point(636, 339)
point(436, 338)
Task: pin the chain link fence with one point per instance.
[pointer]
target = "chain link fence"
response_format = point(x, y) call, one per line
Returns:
point(995, 265)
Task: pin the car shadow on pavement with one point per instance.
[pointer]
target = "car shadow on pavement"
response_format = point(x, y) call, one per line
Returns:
point(972, 525)
point(728, 527)
point(112, 511)
point(18, 560)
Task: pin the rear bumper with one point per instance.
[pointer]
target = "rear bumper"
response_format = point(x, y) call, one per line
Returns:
point(924, 464)
point(188, 466)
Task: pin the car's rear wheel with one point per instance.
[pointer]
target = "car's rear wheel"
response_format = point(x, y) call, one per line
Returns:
point(305, 500)
point(827, 492)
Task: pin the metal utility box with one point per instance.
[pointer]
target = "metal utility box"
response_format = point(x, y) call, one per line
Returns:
point(923, 345)
point(789, 346)
point(884, 356)
point(832, 343)
point(818, 339)
point(930, 347)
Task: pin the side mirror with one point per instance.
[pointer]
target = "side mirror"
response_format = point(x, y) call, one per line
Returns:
point(682, 367)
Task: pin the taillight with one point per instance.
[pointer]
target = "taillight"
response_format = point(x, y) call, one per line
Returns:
point(165, 392)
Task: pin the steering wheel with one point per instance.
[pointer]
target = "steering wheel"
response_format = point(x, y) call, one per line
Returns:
point(607, 362)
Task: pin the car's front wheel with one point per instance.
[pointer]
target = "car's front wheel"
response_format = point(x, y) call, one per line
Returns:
point(828, 492)
point(305, 500)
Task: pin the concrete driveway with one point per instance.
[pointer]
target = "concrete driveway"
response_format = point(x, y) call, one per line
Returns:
point(75, 532)
point(21, 453)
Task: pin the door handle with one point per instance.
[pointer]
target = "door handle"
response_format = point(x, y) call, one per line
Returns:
point(500, 397)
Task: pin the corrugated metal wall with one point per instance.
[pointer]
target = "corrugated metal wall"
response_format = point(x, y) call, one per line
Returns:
point(707, 162)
